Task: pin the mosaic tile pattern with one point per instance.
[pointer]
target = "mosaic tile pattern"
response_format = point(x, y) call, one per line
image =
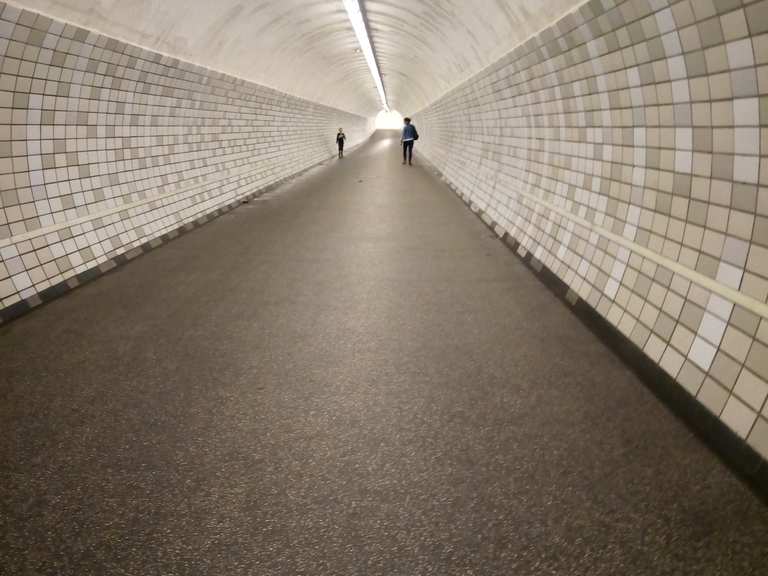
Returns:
point(105, 146)
point(626, 149)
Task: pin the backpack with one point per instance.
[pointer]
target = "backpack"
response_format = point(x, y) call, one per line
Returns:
point(415, 133)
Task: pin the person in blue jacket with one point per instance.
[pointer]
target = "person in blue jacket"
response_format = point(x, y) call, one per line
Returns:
point(409, 136)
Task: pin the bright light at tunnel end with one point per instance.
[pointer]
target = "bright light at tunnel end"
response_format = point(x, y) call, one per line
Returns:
point(356, 18)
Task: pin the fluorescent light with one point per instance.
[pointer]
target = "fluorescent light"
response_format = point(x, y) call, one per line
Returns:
point(356, 18)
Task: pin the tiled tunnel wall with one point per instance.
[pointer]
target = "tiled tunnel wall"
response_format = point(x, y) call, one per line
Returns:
point(105, 146)
point(626, 149)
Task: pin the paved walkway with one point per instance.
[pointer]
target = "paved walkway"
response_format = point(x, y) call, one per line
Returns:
point(349, 376)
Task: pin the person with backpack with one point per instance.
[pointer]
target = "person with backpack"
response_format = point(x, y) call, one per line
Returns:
point(409, 136)
point(340, 137)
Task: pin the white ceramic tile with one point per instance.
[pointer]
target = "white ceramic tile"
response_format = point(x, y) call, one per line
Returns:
point(702, 353)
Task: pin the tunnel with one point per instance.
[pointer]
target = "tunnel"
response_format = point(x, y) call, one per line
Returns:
point(540, 346)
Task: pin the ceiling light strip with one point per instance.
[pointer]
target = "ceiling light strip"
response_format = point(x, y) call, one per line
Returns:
point(358, 24)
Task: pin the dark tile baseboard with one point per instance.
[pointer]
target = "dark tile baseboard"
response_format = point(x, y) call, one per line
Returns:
point(734, 451)
point(45, 296)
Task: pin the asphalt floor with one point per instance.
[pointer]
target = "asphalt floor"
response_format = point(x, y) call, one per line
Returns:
point(350, 375)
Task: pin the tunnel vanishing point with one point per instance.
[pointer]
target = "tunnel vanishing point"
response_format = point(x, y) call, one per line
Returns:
point(540, 349)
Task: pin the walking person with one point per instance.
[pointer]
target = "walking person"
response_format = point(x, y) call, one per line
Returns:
point(409, 136)
point(340, 137)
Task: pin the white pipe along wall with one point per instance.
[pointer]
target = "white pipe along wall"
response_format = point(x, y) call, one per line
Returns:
point(107, 147)
point(626, 149)
point(625, 146)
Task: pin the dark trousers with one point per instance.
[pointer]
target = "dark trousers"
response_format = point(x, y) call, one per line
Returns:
point(341, 149)
point(408, 148)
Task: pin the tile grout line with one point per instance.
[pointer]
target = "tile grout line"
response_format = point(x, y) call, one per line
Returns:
point(26, 305)
point(734, 451)
point(735, 296)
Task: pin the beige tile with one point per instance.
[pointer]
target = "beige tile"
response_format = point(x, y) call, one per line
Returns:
point(758, 438)
point(725, 370)
point(713, 396)
point(751, 389)
point(734, 25)
point(738, 416)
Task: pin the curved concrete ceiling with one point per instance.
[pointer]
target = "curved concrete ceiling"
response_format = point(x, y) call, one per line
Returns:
point(308, 47)
point(426, 47)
